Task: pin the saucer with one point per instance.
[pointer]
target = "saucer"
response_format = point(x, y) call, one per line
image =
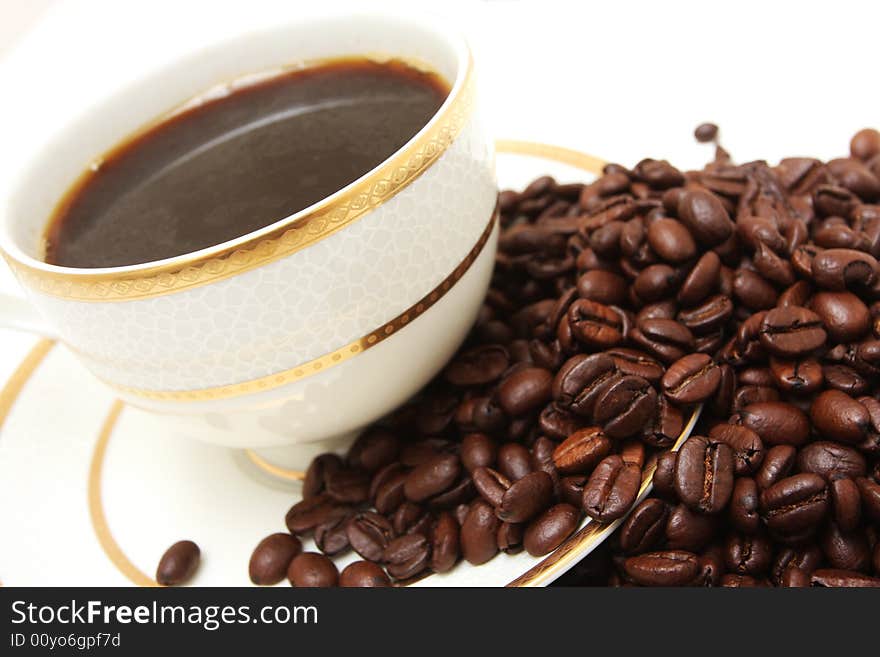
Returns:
point(92, 492)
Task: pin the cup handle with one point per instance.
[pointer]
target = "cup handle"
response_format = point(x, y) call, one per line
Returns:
point(17, 313)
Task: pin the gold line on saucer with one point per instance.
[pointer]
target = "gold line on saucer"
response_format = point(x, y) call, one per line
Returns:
point(325, 362)
point(312, 225)
point(20, 377)
point(573, 548)
point(96, 507)
point(274, 470)
point(551, 152)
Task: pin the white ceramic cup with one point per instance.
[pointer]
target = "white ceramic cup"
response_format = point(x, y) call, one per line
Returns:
point(311, 327)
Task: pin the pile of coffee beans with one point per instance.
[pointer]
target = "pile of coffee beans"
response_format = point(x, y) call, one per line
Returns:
point(617, 309)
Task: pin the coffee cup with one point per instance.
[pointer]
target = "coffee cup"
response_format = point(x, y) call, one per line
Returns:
point(312, 327)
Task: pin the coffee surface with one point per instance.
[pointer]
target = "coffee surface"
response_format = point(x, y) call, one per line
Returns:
point(234, 164)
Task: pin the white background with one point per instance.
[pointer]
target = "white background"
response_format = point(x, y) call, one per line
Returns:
point(621, 80)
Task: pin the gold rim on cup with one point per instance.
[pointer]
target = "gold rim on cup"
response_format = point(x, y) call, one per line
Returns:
point(299, 231)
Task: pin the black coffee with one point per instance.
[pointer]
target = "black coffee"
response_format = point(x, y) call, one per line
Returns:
point(238, 163)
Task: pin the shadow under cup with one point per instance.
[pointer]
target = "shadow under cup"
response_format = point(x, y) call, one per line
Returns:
point(309, 328)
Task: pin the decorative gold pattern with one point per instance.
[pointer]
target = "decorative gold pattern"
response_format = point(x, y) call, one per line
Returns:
point(551, 152)
point(578, 545)
point(320, 221)
point(326, 361)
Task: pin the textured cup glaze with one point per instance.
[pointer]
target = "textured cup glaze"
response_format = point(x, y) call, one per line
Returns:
point(310, 327)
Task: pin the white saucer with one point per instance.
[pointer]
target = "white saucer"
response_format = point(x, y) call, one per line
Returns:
point(92, 492)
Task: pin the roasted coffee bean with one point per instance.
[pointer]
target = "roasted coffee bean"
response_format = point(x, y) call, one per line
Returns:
point(655, 282)
point(752, 291)
point(845, 550)
point(669, 568)
point(792, 331)
point(706, 132)
point(795, 504)
point(870, 492)
point(271, 558)
point(865, 144)
point(748, 450)
point(643, 529)
point(410, 518)
point(778, 463)
point(491, 485)
point(844, 316)
point(806, 559)
point(432, 477)
point(546, 532)
point(744, 505)
point(390, 493)
point(526, 497)
point(595, 324)
point(776, 423)
point(709, 317)
point(691, 379)
point(347, 486)
point(571, 489)
point(331, 536)
point(834, 578)
point(611, 489)
point(363, 574)
point(701, 281)
point(746, 395)
point(445, 538)
point(667, 339)
point(846, 504)
point(317, 472)
point(179, 563)
point(477, 450)
point(704, 215)
point(407, 556)
point(460, 492)
point(733, 581)
point(841, 269)
point(831, 460)
point(514, 461)
point(800, 377)
point(304, 516)
point(373, 450)
point(312, 570)
point(845, 379)
point(748, 554)
point(558, 424)
point(625, 406)
point(839, 417)
point(580, 381)
point(671, 240)
point(636, 363)
point(664, 475)
point(581, 451)
point(510, 537)
point(704, 474)
point(711, 568)
point(525, 390)
point(478, 533)
point(602, 286)
point(687, 530)
point(369, 534)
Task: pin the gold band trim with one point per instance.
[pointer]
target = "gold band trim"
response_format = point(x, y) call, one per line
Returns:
point(551, 152)
point(96, 506)
point(312, 225)
point(274, 470)
point(576, 546)
point(20, 376)
point(326, 361)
